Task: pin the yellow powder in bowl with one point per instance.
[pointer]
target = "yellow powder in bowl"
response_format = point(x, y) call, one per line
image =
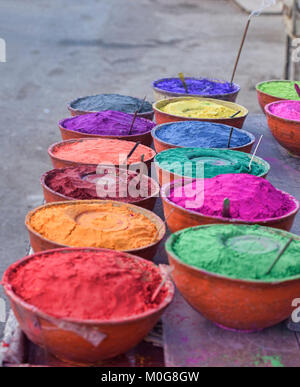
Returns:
point(194, 108)
point(94, 225)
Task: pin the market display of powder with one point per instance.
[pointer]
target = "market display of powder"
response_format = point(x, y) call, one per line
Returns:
point(240, 252)
point(101, 151)
point(201, 86)
point(251, 198)
point(88, 285)
point(190, 162)
point(107, 123)
point(195, 108)
point(280, 89)
point(93, 225)
point(117, 102)
point(201, 134)
point(289, 110)
point(86, 183)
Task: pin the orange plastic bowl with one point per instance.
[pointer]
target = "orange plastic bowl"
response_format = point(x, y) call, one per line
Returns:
point(161, 145)
point(163, 118)
point(230, 303)
point(66, 134)
point(264, 98)
point(286, 132)
point(182, 218)
point(59, 337)
point(76, 112)
point(163, 94)
point(39, 243)
point(58, 162)
point(52, 196)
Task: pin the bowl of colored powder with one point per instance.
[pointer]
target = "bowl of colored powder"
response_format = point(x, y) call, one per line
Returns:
point(199, 163)
point(95, 223)
point(107, 124)
point(92, 152)
point(276, 90)
point(221, 271)
point(196, 87)
point(86, 305)
point(87, 183)
point(196, 134)
point(199, 109)
point(102, 102)
point(253, 200)
point(284, 122)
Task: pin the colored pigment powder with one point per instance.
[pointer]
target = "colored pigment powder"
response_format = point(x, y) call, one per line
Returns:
point(195, 108)
point(102, 151)
point(86, 183)
point(280, 89)
point(251, 197)
point(94, 225)
point(88, 285)
point(108, 123)
point(289, 110)
point(117, 102)
point(201, 134)
point(190, 162)
point(195, 86)
point(240, 252)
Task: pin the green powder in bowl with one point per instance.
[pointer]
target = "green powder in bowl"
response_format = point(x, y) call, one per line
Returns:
point(237, 251)
point(280, 89)
point(208, 163)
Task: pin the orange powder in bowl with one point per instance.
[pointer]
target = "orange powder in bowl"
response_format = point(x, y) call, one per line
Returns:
point(101, 151)
point(103, 224)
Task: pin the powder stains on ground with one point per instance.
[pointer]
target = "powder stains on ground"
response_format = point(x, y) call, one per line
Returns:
point(88, 285)
point(201, 134)
point(107, 123)
point(201, 86)
point(94, 225)
point(251, 198)
point(240, 252)
point(117, 102)
point(195, 108)
point(190, 162)
point(102, 151)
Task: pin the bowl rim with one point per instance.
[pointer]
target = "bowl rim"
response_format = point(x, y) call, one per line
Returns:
point(263, 162)
point(70, 108)
point(217, 101)
point(108, 136)
point(69, 198)
point(121, 321)
point(172, 93)
point(160, 226)
point(167, 187)
point(155, 137)
point(79, 163)
point(272, 81)
point(170, 240)
point(287, 120)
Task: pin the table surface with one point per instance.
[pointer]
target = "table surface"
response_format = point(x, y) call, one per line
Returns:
point(203, 344)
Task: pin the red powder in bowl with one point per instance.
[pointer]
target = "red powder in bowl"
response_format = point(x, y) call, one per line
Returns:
point(88, 285)
point(81, 183)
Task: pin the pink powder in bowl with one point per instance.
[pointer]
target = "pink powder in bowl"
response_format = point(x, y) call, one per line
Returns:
point(289, 110)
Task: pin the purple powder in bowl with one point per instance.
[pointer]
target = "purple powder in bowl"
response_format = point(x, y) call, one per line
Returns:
point(110, 123)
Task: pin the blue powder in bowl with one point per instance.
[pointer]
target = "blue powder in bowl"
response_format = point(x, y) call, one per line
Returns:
point(201, 135)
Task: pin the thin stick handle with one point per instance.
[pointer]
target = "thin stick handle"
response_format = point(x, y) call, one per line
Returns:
point(235, 114)
point(240, 50)
point(135, 114)
point(181, 76)
point(226, 208)
point(229, 140)
point(280, 255)
point(157, 291)
point(132, 150)
point(254, 153)
point(158, 231)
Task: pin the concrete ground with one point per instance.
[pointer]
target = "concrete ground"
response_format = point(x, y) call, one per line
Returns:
point(63, 49)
